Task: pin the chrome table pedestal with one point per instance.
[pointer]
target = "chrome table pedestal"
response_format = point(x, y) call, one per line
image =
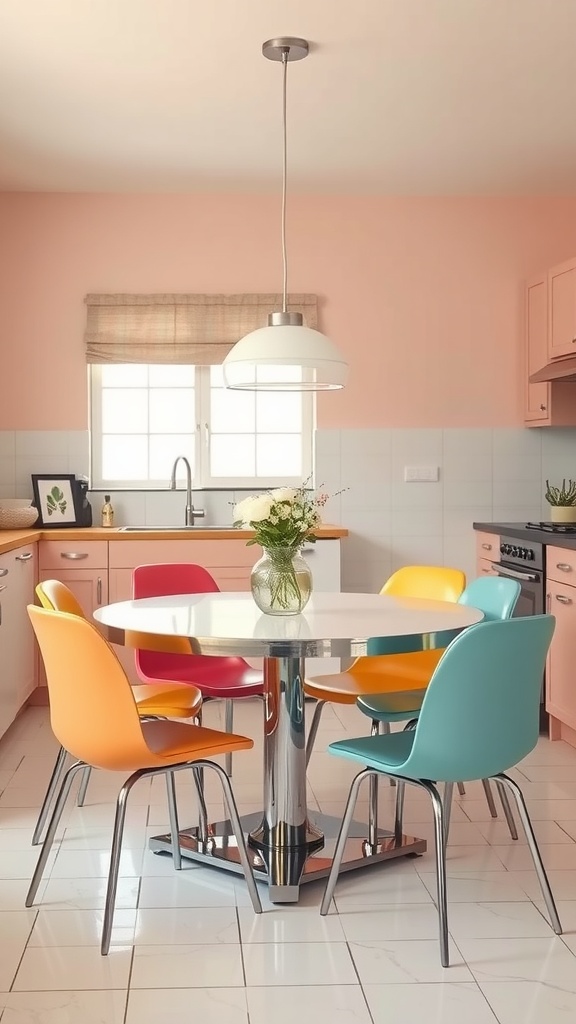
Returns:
point(287, 845)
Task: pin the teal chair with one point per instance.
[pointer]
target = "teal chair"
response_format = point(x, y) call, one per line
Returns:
point(479, 717)
point(497, 598)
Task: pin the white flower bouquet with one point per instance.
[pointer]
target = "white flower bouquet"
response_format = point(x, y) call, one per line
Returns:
point(283, 518)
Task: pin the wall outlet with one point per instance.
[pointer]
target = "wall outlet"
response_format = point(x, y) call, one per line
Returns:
point(421, 474)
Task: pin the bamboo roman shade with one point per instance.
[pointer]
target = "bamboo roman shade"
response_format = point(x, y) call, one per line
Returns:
point(197, 330)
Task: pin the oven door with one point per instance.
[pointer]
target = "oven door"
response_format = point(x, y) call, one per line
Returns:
point(531, 598)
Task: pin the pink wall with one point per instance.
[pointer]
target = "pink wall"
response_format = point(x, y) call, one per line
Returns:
point(423, 295)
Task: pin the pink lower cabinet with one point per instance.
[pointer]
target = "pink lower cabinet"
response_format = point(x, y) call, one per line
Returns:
point(82, 566)
point(560, 675)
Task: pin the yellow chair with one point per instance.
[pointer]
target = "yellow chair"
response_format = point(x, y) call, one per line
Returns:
point(153, 700)
point(94, 715)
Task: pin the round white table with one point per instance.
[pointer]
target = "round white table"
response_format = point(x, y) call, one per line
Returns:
point(288, 845)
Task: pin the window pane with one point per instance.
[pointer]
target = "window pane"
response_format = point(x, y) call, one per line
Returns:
point(124, 410)
point(171, 376)
point(124, 457)
point(125, 375)
point(164, 448)
point(232, 455)
point(278, 455)
point(280, 410)
point(172, 410)
point(232, 410)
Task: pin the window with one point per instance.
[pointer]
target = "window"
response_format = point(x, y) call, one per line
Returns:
point(144, 415)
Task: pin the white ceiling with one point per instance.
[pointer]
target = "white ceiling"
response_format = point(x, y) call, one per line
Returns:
point(398, 96)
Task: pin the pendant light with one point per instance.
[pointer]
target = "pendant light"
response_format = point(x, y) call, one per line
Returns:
point(285, 344)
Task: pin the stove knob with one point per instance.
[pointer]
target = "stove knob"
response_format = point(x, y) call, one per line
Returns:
point(524, 553)
point(514, 549)
point(531, 555)
point(503, 549)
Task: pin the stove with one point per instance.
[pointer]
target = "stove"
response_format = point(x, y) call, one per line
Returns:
point(553, 527)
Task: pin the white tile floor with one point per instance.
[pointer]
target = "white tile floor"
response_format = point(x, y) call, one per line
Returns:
point(188, 946)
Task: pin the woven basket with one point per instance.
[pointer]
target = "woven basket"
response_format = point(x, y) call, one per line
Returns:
point(17, 518)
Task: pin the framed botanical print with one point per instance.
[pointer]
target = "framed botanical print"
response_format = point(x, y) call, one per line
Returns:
point(54, 497)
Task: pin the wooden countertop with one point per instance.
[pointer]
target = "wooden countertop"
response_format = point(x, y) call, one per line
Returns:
point(10, 539)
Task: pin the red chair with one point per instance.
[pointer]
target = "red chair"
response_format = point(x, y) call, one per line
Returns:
point(217, 678)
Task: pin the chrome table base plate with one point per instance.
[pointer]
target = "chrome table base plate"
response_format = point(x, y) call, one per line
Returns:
point(284, 870)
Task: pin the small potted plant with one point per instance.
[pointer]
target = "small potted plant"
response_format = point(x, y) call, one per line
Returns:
point(562, 501)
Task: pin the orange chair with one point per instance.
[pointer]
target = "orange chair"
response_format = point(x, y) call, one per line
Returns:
point(153, 700)
point(388, 672)
point(95, 716)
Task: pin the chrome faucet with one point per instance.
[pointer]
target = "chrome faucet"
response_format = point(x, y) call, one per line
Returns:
point(191, 512)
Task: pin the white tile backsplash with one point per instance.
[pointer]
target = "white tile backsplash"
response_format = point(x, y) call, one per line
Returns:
point(485, 475)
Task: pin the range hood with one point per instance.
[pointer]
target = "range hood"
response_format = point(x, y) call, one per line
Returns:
point(558, 369)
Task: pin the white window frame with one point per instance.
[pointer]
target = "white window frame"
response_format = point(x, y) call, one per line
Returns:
point(202, 478)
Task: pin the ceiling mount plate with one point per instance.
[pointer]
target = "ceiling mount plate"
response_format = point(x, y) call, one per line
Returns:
point(274, 49)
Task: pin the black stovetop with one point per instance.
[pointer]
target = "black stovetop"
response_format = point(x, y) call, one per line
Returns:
point(565, 528)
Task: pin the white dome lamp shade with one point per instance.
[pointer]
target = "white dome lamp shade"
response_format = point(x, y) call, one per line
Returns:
point(286, 355)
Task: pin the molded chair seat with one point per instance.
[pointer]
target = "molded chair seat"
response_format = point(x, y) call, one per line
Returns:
point(156, 699)
point(479, 717)
point(94, 716)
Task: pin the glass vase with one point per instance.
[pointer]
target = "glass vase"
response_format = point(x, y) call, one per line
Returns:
point(281, 581)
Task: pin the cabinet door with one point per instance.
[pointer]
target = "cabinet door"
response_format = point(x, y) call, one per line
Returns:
point(560, 688)
point(562, 310)
point(17, 643)
point(537, 396)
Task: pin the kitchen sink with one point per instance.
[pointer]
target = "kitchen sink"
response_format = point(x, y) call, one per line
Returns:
point(168, 529)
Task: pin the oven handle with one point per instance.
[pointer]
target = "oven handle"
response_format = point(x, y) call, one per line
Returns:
point(513, 574)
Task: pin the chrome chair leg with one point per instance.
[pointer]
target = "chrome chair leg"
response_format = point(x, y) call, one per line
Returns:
point(461, 790)
point(173, 815)
point(507, 809)
point(342, 837)
point(228, 727)
point(52, 787)
point(399, 811)
point(314, 729)
point(440, 832)
point(448, 797)
point(239, 835)
point(198, 774)
point(373, 797)
point(61, 799)
point(534, 850)
point(117, 833)
point(489, 798)
point(83, 785)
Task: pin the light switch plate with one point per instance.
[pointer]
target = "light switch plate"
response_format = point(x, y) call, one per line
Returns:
point(421, 474)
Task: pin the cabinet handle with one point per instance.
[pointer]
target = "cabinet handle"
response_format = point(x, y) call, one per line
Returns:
point(548, 602)
point(563, 600)
point(487, 571)
point(3, 572)
point(563, 566)
point(542, 407)
point(574, 341)
point(99, 590)
point(2, 586)
point(24, 558)
point(487, 547)
point(74, 556)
